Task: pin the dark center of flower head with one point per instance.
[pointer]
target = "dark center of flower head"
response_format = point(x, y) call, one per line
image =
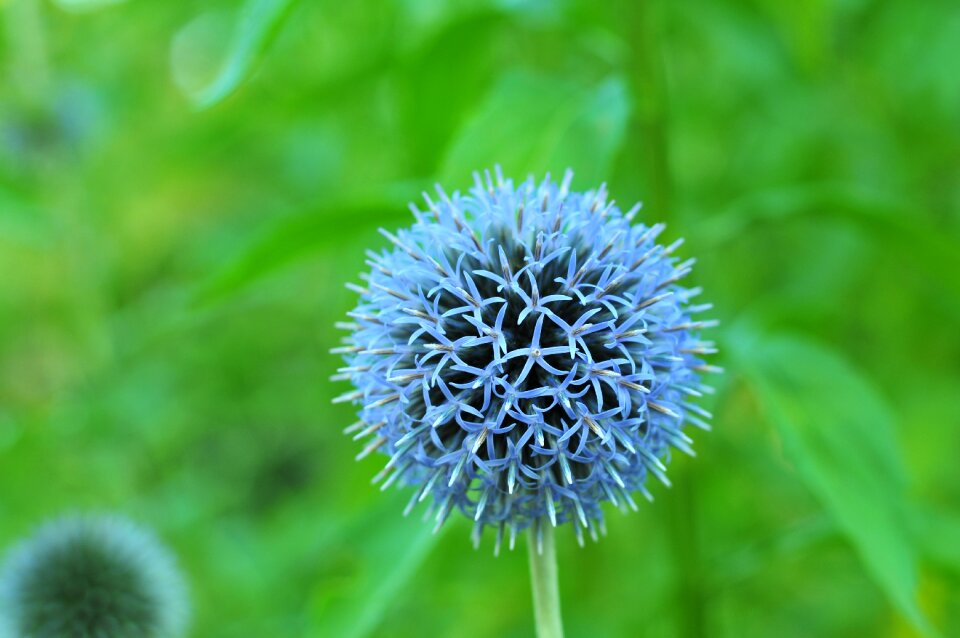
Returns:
point(92, 577)
point(79, 589)
point(525, 354)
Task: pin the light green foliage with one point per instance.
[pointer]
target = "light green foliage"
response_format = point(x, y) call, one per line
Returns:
point(840, 435)
point(257, 25)
point(373, 564)
point(185, 187)
point(580, 126)
point(85, 5)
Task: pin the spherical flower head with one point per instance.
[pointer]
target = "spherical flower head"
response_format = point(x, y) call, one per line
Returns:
point(524, 354)
point(92, 577)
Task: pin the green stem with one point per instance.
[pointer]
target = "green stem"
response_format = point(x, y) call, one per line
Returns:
point(543, 578)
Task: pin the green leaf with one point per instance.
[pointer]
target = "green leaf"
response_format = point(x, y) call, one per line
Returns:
point(938, 530)
point(372, 566)
point(199, 48)
point(839, 432)
point(896, 227)
point(298, 236)
point(85, 5)
point(532, 123)
point(259, 23)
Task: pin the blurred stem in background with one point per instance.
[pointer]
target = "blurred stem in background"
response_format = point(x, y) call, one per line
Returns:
point(544, 580)
point(646, 77)
point(29, 66)
point(643, 22)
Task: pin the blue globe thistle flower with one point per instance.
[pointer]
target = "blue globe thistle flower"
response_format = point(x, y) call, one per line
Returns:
point(91, 577)
point(524, 353)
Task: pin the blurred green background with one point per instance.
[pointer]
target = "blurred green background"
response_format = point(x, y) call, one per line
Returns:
point(186, 186)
